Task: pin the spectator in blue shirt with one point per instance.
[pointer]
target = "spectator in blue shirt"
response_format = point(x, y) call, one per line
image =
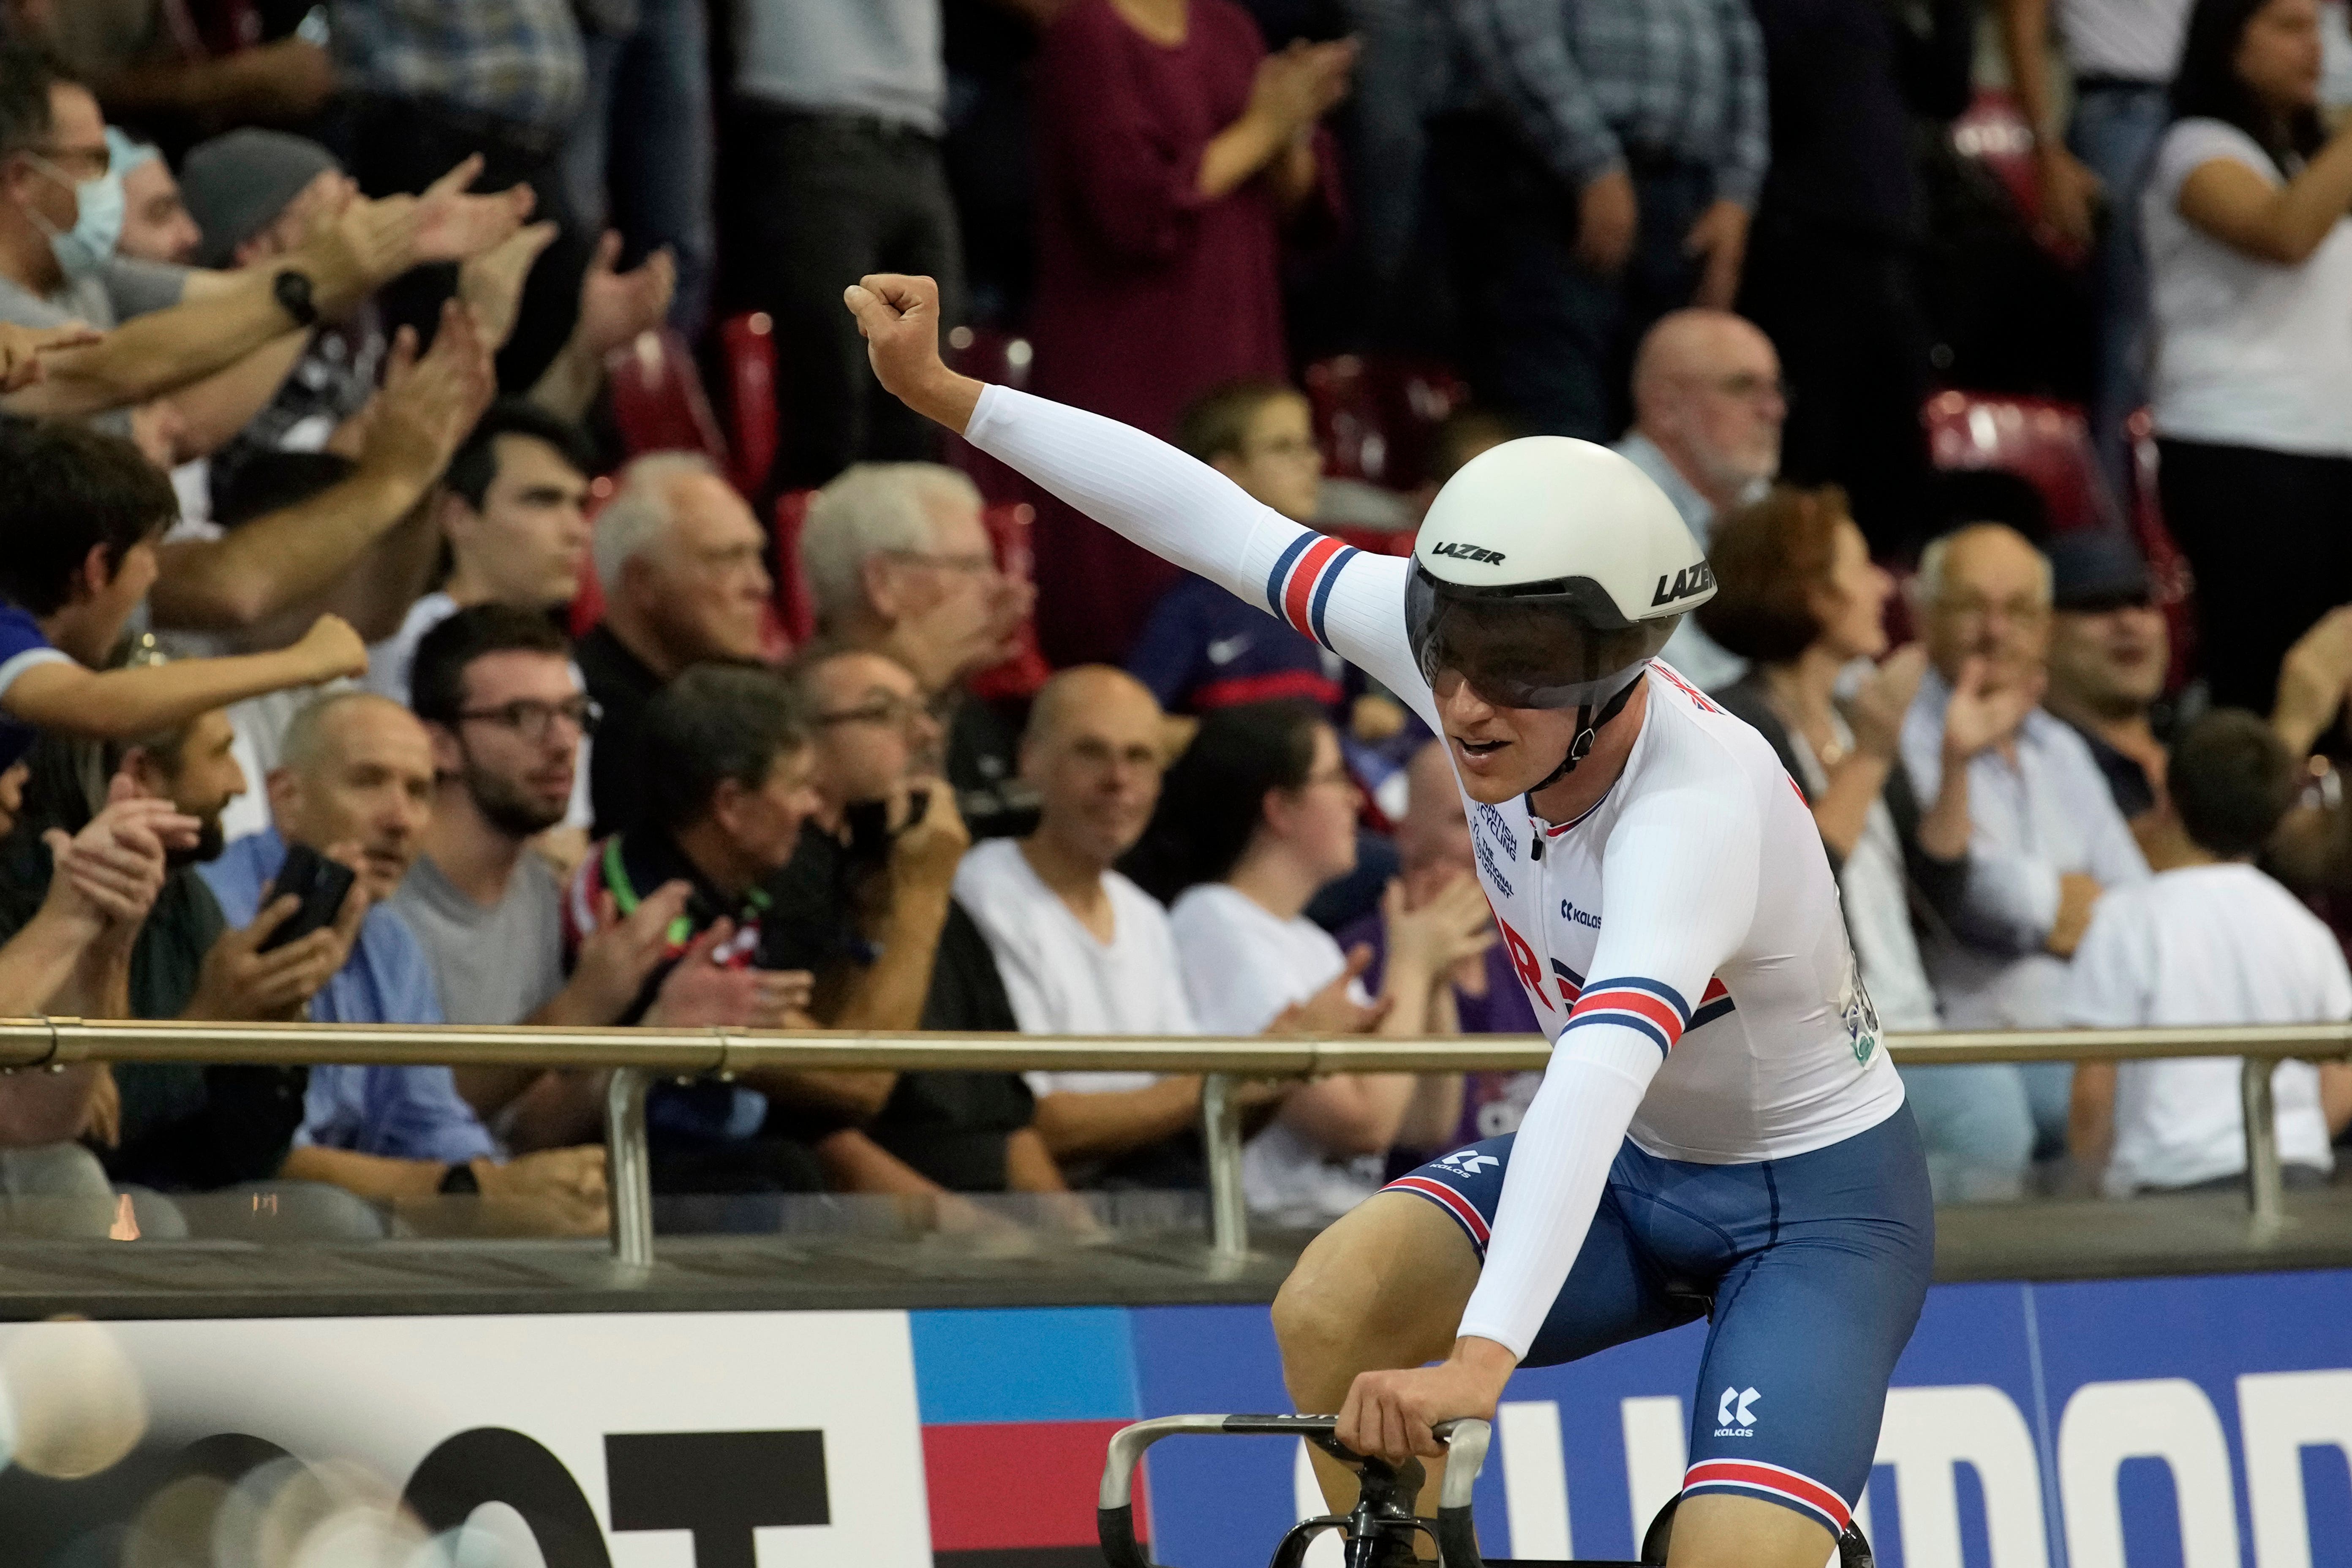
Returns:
point(82, 511)
point(1203, 648)
point(356, 781)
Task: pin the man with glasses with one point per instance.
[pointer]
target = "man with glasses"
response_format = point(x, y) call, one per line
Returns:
point(2046, 839)
point(682, 562)
point(867, 904)
point(1708, 405)
point(357, 784)
point(502, 704)
point(899, 563)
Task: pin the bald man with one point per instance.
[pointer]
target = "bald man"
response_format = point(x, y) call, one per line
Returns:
point(2044, 837)
point(356, 783)
point(1708, 411)
point(1081, 948)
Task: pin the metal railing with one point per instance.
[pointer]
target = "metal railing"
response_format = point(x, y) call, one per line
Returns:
point(637, 1056)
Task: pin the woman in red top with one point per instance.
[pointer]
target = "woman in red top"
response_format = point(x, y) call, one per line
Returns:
point(1172, 149)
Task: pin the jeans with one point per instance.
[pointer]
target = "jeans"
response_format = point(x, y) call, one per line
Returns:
point(2114, 131)
point(812, 203)
point(1976, 1122)
point(653, 182)
point(1545, 340)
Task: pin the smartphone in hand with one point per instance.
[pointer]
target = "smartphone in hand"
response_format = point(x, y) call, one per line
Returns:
point(321, 884)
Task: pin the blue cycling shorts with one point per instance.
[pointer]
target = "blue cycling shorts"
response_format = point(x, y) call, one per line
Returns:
point(1816, 1266)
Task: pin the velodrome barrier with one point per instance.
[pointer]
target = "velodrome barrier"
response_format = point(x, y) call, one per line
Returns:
point(2041, 1417)
point(636, 1057)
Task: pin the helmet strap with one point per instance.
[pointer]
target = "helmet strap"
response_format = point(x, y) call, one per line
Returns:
point(1587, 728)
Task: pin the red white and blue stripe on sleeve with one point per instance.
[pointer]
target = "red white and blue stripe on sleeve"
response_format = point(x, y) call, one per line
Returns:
point(1713, 1004)
point(1782, 1486)
point(1649, 1008)
point(1299, 586)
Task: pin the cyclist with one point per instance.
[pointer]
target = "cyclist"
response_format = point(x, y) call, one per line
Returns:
point(1718, 1120)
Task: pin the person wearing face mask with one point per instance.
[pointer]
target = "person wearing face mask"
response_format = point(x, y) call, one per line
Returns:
point(61, 220)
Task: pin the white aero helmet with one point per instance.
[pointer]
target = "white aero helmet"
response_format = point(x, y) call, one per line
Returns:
point(1548, 572)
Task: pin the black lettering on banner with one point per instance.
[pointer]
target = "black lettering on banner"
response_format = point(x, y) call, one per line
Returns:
point(721, 1485)
point(491, 1464)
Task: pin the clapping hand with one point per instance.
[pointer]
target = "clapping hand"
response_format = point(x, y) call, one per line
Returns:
point(614, 306)
point(1883, 697)
point(1982, 714)
point(453, 224)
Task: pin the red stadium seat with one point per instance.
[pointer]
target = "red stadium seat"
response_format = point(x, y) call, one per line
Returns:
point(794, 603)
point(987, 354)
point(2167, 569)
point(657, 398)
point(747, 347)
point(1018, 677)
point(1377, 419)
point(2045, 443)
point(1994, 134)
point(219, 26)
point(1378, 540)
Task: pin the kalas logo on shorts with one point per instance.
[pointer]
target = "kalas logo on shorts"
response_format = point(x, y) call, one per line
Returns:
point(1737, 1412)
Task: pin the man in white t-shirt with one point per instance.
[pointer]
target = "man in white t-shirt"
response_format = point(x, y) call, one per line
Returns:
point(2207, 941)
point(1081, 948)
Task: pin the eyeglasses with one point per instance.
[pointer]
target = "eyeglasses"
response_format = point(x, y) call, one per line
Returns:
point(1749, 386)
point(2024, 611)
point(1338, 775)
point(976, 562)
point(534, 720)
point(895, 711)
point(732, 557)
point(1286, 446)
point(99, 160)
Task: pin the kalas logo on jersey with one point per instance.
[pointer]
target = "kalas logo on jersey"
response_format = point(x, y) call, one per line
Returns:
point(1470, 553)
point(1575, 916)
point(1690, 580)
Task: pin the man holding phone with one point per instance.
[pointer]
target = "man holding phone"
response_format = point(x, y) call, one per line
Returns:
point(356, 786)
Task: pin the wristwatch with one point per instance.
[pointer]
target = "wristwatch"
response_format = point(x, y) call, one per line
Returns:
point(292, 289)
point(460, 1178)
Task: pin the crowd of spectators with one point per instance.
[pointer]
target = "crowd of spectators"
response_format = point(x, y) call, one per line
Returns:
point(324, 548)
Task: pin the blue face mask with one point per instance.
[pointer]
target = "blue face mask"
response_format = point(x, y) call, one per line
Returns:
point(84, 250)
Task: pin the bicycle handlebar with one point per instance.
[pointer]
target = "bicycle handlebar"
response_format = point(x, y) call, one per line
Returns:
point(1465, 1441)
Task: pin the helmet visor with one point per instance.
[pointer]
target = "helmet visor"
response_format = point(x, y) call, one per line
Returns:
point(1532, 651)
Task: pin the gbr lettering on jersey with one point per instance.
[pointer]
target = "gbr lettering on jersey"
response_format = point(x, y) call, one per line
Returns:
point(1549, 912)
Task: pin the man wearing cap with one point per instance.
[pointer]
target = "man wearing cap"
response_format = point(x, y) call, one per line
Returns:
point(255, 194)
point(61, 215)
point(2109, 653)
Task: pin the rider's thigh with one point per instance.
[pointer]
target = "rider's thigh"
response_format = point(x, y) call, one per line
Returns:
point(1384, 1285)
point(1728, 1532)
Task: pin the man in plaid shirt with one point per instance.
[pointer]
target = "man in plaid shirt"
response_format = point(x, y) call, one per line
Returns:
point(1598, 162)
point(426, 83)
